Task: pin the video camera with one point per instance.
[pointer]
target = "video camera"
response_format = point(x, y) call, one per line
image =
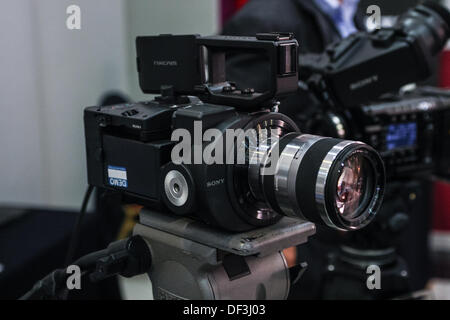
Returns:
point(410, 130)
point(269, 170)
point(353, 77)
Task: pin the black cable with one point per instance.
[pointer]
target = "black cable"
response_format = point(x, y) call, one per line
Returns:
point(77, 227)
point(127, 257)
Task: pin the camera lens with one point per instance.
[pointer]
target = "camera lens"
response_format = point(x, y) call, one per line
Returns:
point(329, 181)
point(351, 186)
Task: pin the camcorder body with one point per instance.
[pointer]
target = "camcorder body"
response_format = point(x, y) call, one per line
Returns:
point(411, 131)
point(354, 80)
point(243, 165)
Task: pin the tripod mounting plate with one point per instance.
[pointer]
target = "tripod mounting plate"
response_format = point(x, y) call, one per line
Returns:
point(287, 233)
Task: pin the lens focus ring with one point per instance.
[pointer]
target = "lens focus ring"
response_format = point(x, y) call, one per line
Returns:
point(322, 179)
point(288, 166)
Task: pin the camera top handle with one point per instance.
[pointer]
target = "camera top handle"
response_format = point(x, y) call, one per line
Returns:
point(179, 62)
point(279, 48)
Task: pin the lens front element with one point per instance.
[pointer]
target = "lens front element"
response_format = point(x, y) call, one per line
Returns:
point(335, 182)
point(351, 186)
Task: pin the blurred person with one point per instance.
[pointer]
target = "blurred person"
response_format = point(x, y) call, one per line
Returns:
point(314, 23)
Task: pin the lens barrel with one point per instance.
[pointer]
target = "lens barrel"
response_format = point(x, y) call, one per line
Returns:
point(429, 23)
point(329, 181)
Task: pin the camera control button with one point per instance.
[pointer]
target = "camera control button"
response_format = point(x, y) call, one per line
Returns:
point(130, 113)
point(248, 91)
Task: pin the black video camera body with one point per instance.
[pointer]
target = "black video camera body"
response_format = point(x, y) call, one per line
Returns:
point(411, 131)
point(131, 147)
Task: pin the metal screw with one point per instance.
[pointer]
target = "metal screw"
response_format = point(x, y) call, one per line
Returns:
point(276, 107)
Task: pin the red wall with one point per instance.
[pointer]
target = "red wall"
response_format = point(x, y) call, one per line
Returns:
point(441, 218)
point(229, 8)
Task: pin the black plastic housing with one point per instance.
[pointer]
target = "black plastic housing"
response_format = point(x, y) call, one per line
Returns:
point(129, 146)
point(169, 60)
point(362, 67)
point(117, 140)
point(194, 65)
point(127, 152)
point(422, 116)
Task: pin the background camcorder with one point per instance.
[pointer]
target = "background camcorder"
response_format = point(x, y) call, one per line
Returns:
point(330, 181)
point(411, 131)
point(353, 78)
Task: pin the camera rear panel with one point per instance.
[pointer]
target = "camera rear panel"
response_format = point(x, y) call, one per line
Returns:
point(408, 133)
point(128, 144)
point(119, 138)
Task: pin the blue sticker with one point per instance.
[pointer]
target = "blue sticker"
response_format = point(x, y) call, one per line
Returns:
point(117, 177)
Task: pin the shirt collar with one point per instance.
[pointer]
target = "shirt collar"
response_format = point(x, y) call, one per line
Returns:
point(342, 14)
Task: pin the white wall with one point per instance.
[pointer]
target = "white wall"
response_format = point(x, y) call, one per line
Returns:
point(48, 74)
point(21, 169)
point(76, 67)
point(51, 74)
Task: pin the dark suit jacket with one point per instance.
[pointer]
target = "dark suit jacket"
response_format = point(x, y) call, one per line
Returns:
point(312, 28)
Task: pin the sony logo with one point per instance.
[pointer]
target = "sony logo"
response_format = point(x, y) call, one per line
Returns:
point(364, 82)
point(214, 183)
point(165, 63)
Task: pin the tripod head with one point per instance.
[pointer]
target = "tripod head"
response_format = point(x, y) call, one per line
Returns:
point(194, 261)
